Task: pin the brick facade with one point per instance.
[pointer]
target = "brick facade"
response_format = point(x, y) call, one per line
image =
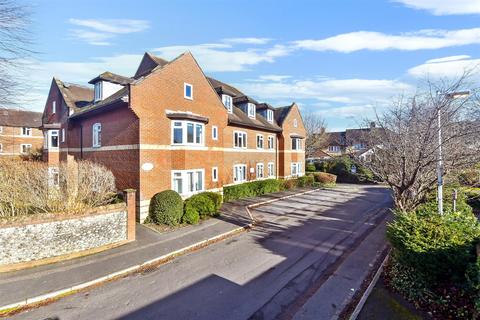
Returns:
point(19, 132)
point(137, 132)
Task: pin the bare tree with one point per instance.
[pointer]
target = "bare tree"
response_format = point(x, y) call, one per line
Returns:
point(15, 47)
point(406, 139)
point(315, 127)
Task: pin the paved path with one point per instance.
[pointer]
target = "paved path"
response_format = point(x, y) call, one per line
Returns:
point(266, 273)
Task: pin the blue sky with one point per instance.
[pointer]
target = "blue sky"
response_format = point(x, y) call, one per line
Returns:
point(342, 59)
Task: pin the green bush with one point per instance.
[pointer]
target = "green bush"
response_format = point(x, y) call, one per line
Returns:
point(288, 184)
point(166, 207)
point(310, 167)
point(325, 178)
point(201, 203)
point(191, 215)
point(305, 181)
point(321, 166)
point(251, 189)
point(342, 168)
point(216, 198)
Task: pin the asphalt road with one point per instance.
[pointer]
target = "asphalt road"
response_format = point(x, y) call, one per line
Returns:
point(266, 273)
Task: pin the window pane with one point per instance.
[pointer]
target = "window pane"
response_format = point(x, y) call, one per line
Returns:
point(54, 141)
point(198, 133)
point(199, 181)
point(190, 132)
point(177, 182)
point(188, 91)
point(191, 182)
point(177, 135)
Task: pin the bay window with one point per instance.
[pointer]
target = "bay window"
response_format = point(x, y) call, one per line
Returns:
point(187, 133)
point(251, 110)
point(227, 102)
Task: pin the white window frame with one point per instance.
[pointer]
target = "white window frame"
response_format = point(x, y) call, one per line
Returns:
point(214, 174)
point(297, 167)
point(214, 133)
point(63, 134)
point(260, 140)
point(245, 138)
point(269, 115)
point(54, 106)
point(53, 133)
point(184, 177)
point(28, 145)
point(270, 169)
point(1, 129)
point(97, 88)
point(271, 142)
point(227, 102)
point(26, 131)
point(251, 110)
point(185, 85)
point(244, 176)
point(296, 144)
point(262, 167)
point(1, 147)
point(295, 123)
point(97, 135)
point(184, 126)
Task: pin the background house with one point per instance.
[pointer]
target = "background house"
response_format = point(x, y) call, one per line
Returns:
point(20, 132)
point(348, 142)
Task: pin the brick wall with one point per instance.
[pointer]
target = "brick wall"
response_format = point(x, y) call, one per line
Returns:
point(11, 140)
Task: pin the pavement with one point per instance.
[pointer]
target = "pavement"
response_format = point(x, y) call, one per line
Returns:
point(282, 268)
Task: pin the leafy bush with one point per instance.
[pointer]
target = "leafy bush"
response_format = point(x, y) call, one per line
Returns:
point(191, 215)
point(321, 166)
point(251, 189)
point(216, 198)
point(201, 203)
point(288, 184)
point(305, 181)
point(325, 178)
point(166, 207)
point(433, 261)
point(342, 168)
point(310, 167)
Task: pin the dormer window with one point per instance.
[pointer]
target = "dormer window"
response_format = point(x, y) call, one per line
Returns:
point(188, 91)
point(251, 110)
point(227, 102)
point(270, 115)
point(98, 91)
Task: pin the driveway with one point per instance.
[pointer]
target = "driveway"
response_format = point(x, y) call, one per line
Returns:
point(267, 273)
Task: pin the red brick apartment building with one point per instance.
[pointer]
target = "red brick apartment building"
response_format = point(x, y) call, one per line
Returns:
point(171, 127)
point(20, 132)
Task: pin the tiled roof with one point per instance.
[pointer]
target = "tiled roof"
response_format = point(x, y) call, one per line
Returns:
point(112, 77)
point(75, 96)
point(238, 117)
point(148, 63)
point(221, 86)
point(103, 103)
point(20, 118)
point(281, 113)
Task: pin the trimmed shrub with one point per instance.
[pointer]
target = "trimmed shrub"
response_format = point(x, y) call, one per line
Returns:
point(216, 198)
point(166, 207)
point(325, 178)
point(191, 215)
point(310, 167)
point(305, 181)
point(251, 189)
point(201, 203)
point(288, 184)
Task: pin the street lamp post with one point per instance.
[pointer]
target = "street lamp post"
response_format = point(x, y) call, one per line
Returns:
point(451, 96)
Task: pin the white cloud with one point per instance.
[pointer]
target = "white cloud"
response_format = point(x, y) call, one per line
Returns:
point(117, 26)
point(369, 40)
point(97, 32)
point(444, 7)
point(217, 57)
point(247, 40)
point(447, 67)
point(334, 91)
point(273, 77)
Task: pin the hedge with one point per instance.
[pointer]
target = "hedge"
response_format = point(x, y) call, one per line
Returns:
point(251, 189)
point(434, 262)
point(166, 207)
point(310, 167)
point(202, 204)
point(325, 178)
